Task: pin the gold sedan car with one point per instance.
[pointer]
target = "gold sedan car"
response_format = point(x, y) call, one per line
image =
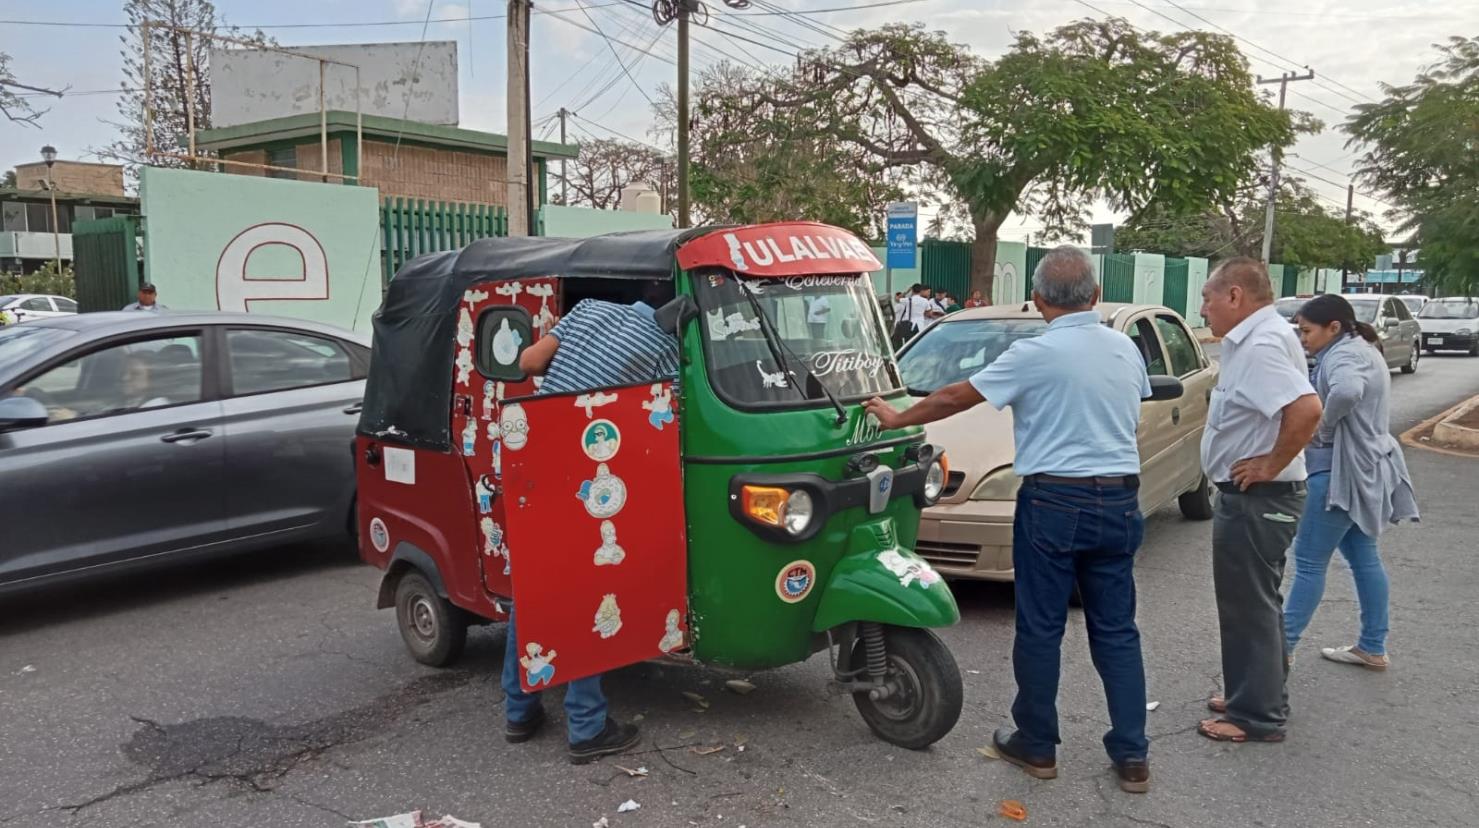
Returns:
point(968, 534)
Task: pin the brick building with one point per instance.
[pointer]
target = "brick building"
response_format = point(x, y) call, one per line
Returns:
point(72, 177)
point(406, 159)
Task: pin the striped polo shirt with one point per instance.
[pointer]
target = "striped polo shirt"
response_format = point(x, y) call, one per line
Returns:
point(604, 344)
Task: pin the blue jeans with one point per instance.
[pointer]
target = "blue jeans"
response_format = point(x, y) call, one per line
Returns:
point(585, 704)
point(1062, 535)
point(1321, 532)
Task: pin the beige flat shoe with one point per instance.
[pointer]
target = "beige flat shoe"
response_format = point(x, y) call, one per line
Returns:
point(1356, 656)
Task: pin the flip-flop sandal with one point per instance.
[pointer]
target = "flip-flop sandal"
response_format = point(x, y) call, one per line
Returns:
point(1238, 738)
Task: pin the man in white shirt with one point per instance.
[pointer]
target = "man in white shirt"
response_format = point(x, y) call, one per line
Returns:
point(817, 314)
point(1263, 413)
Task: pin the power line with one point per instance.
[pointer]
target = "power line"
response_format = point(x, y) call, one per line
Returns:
point(75, 24)
point(617, 55)
point(831, 10)
point(623, 135)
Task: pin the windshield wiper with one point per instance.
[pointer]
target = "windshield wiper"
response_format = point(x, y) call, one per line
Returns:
point(778, 345)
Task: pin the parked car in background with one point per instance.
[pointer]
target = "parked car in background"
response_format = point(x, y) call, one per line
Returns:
point(1450, 324)
point(1413, 301)
point(968, 534)
point(20, 307)
point(1398, 331)
point(132, 438)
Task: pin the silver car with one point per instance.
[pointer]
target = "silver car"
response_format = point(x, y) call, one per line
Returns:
point(1400, 334)
point(129, 438)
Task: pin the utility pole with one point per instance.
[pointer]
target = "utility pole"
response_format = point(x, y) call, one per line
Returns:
point(517, 193)
point(1273, 177)
point(1350, 204)
point(685, 9)
point(564, 175)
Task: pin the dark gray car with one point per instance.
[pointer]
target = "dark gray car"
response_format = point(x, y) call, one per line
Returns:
point(128, 438)
point(1399, 332)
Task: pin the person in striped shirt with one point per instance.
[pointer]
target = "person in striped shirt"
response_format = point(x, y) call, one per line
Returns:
point(596, 345)
point(605, 344)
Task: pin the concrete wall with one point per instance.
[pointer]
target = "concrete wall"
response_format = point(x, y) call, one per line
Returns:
point(1009, 285)
point(1150, 278)
point(256, 84)
point(582, 222)
point(1196, 274)
point(72, 177)
point(289, 248)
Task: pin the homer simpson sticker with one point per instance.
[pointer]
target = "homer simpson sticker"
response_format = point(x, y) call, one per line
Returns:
point(464, 328)
point(379, 535)
point(538, 665)
point(470, 438)
point(515, 426)
point(795, 581)
point(604, 494)
point(908, 570)
point(493, 541)
point(609, 553)
point(672, 637)
point(464, 366)
point(601, 440)
point(544, 321)
point(608, 617)
point(661, 406)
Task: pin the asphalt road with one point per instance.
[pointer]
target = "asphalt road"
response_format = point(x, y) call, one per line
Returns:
point(268, 692)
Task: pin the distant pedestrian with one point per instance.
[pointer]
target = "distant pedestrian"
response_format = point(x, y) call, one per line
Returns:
point(1075, 394)
point(976, 301)
point(913, 314)
point(148, 299)
point(1262, 414)
point(1358, 480)
point(817, 314)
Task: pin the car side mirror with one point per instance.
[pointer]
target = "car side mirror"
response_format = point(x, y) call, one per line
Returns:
point(22, 412)
point(1164, 388)
point(677, 313)
point(1390, 323)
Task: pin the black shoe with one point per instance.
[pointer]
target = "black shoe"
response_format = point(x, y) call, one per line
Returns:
point(516, 732)
point(1008, 744)
point(614, 738)
point(1134, 775)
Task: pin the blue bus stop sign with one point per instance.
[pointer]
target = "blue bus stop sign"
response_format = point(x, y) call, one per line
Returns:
point(903, 234)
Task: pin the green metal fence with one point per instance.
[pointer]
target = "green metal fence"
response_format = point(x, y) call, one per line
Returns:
point(1176, 284)
point(946, 265)
point(1291, 281)
point(105, 256)
point(1118, 277)
point(1034, 255)
point(413, 227)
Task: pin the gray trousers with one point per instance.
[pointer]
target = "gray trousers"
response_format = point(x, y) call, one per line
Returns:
point(1251, 533)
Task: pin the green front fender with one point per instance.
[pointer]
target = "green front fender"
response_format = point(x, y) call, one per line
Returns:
point(869, 584)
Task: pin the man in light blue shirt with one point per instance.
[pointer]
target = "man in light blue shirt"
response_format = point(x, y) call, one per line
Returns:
point(1075, 394)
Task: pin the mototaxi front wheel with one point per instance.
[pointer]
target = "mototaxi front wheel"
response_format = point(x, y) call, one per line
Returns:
point(434, 630)
point(925, 694)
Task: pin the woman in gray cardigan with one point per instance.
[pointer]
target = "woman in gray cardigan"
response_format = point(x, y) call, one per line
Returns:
point(1358, 480)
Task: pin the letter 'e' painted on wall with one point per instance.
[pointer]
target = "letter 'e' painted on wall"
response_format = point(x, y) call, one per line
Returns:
point(236, 291)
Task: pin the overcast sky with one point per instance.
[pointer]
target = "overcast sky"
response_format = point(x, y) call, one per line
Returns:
point(1353, 46)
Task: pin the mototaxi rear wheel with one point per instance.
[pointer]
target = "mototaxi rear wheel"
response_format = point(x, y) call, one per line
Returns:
point(434, 631)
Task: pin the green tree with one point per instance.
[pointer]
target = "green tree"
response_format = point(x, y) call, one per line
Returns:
point(1096, 109)
point(753, 161)
point(1306, 234)
point(1422, 149)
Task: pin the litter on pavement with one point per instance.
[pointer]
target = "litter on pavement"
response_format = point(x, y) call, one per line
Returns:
point(414, 820)
point(629, 805)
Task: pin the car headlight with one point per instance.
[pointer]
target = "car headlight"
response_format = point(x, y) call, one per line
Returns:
point(1464, 331)
point(1001, 484)
point(778, 507)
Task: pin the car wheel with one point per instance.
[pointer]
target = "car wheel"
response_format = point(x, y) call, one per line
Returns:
point(433, 629)
point(1474, 349)
point(1411, 366)
point(1197, 503)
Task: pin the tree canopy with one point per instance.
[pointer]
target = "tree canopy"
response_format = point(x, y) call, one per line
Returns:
point(604, 168)
point(1421, 148)
point(1093, 109)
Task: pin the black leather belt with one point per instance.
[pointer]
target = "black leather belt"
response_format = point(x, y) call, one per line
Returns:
point(1270, 489)
point(1128, 481)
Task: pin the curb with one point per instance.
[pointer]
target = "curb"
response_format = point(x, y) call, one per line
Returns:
point(1409, 437)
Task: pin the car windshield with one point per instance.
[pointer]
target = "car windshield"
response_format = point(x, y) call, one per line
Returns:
point(19, 342)
point(1450, 309)
point(953, 350)
point(1413, 303)
point(1288, 307)
point(1365, 309)
point(827, 327)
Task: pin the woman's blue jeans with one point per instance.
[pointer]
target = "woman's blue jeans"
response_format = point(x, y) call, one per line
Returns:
point(1321, 532)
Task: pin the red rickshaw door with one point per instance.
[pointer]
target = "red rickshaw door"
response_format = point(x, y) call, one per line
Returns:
point(593, 497)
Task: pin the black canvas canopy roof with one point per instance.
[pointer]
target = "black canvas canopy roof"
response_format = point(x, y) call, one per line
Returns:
point(410, 383)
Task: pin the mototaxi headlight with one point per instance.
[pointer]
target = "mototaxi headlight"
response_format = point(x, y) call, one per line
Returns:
point(935, 478)
point(798, 512)
point(765, 504)
point(1000, 484)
